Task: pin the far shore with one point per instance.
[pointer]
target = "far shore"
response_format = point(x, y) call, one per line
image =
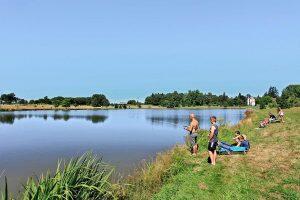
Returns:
point(28, 107)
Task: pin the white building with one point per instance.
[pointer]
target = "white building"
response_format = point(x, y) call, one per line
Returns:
point(250, 101)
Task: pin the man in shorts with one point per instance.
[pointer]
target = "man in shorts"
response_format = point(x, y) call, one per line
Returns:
point(213, 140)
point(193, 128)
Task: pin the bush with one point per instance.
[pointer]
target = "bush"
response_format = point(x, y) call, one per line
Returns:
point(262, 106)
point(99, 100)
point(132, 102)
point(66, 103)
point(56, 103)
point(283, 103)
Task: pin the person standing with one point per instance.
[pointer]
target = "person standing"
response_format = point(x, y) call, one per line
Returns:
point(213, 140)
point(281, 114)
point(193, 128)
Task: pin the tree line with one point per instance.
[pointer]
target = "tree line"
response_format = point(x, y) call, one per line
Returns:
point(96, 100)
point(290, 96)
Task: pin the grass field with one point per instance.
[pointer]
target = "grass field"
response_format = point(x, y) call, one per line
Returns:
point(271, 170)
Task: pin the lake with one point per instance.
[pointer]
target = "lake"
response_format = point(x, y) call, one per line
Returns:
point(32, 141)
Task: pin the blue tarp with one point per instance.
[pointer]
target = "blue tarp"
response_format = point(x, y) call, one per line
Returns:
point(227, 148)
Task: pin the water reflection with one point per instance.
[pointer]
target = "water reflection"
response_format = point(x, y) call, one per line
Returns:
point(169, 120)
point(9, 118)
point(180, 118)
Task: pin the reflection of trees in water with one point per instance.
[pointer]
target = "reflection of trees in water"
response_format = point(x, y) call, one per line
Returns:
point(96, 118)
point(10, 118)
point(171, 120)
point(181, 120)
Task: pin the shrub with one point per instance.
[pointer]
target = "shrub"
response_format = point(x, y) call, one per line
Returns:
point(99, 100)
point(66, 103)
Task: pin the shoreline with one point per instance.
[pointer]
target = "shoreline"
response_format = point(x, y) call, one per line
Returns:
point(174, 171)
point(39, 107)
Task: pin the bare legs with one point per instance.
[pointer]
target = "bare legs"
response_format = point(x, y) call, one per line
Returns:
point(281, 118)
point(195, 149)
point(213, 156)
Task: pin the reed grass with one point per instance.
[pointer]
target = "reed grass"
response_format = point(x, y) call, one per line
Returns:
point(85, 177)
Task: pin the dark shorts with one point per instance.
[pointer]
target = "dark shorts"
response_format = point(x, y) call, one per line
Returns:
point(212, 146)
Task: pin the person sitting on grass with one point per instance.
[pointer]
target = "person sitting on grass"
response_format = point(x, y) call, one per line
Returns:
point(237, 137)
point(272, 117)
point(264, 123)
point(244, 142)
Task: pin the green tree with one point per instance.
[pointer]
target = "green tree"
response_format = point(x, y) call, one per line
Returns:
point(155, 99)
point(283, 103)
point(291, 95)
point(264, 101)
point(132, 102)
point(22, 101)
point(272, 92)
point(66, 103)
point(98, 100)
point(9, 98)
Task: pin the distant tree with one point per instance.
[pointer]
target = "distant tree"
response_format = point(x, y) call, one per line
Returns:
point(240, 100)
point(291, 95)
point(82, 100)
point(98, 100)
point(154, 99)
point(46, 100)
point(264, 101)
point(272, 92)
point(223, 99)
point(9, 98)
point(22, 101)
point(31, 101)
point(66, 103)
point(283, 103)
point(56, 101)
point(132, 102)
point(291, 91)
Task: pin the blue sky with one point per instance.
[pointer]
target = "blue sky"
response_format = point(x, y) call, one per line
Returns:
point(129, 49)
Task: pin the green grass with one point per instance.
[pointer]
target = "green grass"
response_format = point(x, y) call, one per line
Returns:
point(85, 177)
point(271, 169)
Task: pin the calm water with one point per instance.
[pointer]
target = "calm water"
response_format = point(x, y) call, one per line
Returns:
point(32, 141)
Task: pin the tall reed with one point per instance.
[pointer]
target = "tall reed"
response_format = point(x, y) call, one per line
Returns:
point(85, 177)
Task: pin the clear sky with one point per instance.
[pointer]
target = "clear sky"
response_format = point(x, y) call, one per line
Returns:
point(129, 49)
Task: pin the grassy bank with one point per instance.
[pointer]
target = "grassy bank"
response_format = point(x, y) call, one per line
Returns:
point(20, 107)
point(271, 170)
